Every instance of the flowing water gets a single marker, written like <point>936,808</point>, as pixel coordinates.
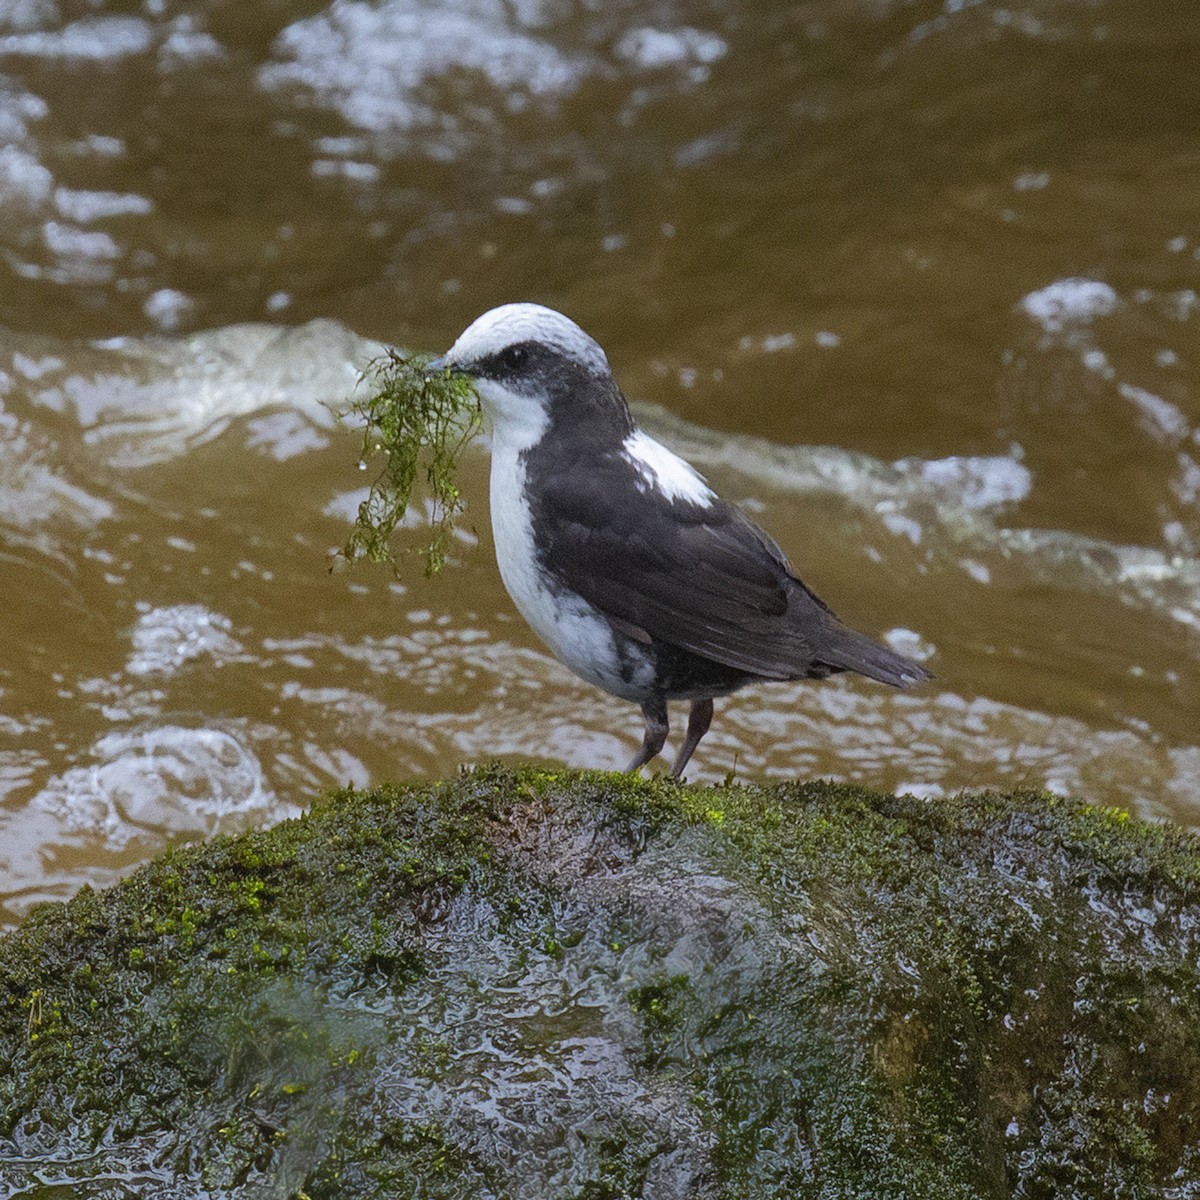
<point>917,281</point>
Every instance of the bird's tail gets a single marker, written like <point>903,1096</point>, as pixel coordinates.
<point>845,649</point>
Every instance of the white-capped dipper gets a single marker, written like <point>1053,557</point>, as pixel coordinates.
<point>618,553</point>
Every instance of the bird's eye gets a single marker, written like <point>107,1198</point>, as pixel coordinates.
<point>514,356</point>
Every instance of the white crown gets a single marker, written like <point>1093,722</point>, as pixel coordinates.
<point>513,323</point>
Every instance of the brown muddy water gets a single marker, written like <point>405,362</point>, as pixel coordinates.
<point>918,282</point>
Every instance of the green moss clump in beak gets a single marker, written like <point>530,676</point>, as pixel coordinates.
<point>420,419</point>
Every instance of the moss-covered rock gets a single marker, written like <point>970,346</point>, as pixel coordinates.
<point>582,985</point>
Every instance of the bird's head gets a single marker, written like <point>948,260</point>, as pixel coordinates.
<point>533,367</point>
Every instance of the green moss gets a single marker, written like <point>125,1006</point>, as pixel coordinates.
<point>806,990</point>
<point>420,421</point>
<point>662,1003</point>
<point>623,1162</point>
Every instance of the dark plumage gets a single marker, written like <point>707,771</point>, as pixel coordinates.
<point>621,557</point>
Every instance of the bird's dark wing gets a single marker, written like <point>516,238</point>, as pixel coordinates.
<point>703,578</point>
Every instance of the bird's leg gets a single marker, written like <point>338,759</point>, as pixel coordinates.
<point>699,719</point>
<point>655,712</point>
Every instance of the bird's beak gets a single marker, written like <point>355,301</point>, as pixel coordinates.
<point>442,363</point>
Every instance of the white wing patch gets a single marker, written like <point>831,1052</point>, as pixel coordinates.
<point>665,471</point>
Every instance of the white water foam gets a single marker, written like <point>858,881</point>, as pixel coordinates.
<point>652,49</point>
<point>34,493</point>
<point>381,65</point>
<point>1068,305</point>
<point>93,39</point>
<point>165,640</point>
<point>369,62</point>
<point>160,782</point>
<point>145,400</point>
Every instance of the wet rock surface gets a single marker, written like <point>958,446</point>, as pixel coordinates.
<point>523,984</point>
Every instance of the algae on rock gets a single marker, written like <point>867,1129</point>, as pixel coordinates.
<point>584,985</point>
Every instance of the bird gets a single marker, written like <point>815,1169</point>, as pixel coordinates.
<point>621,556</point>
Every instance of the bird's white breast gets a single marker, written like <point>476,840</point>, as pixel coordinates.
<point>576,633</point>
